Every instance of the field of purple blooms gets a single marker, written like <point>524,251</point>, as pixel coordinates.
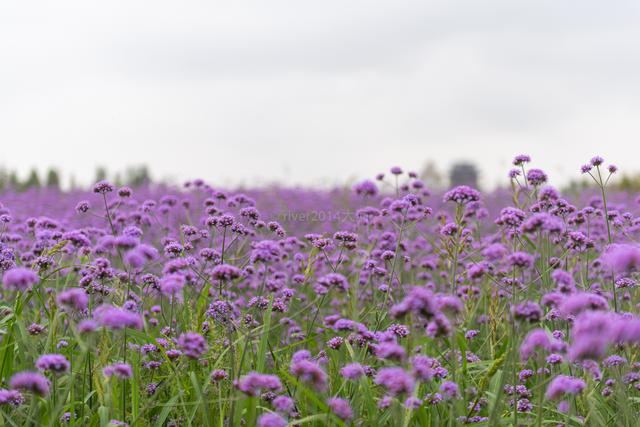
<point>381,306</point>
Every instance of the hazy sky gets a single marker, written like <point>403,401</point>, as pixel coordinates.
<point>317,92</point>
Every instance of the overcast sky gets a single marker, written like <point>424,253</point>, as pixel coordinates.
<point>305,92</point>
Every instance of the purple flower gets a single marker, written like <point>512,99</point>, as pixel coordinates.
<point>395,380</point>
<point>83,207</point>
<point>576,303</point>
<point>73,298</point>
<point>352,371</point>
<point>520,260</point>
<point>564,384</point>
<point>494,252</point>
<point>440,326</point>
<point>521,159</point>
<point>538,339</point>
<point>218,375</point>
<point>140,255</point>
<point>334,280</point>
<point>449,390</point>
<point>527,311</point>
<point>125,192</point>
<point>366,188</point>
<point>19,279</point>
<point>335,343</point>
<point>103,187</point>
<point>592,333</point>
<point>554,359</point>
<point>117,318</point>
<point>536,177</point>
<point>586,168</point>
<point>134,259</point>
<point>283,404</point>
<point>310,372</point>
<point>30,381</point>
<point>225,272</point>
<point>253,383</point>
<point>614,360</point>
<point>341,408</point>
<point>511,217</point>
<point>390,350</point>
<point>462,195</point>
<point>419,300</point>
<point>300,355</point>
<point>172,285</point>
<point>271,419</point>
<point>86,326</point>
<point>423,367</point>
<point>55,363</point>
<point>11,397</point>
<point>627,330</point>
<point>622,257</point>
<point>192,344</point>
<point>120,370</point>
<point>266,251</point>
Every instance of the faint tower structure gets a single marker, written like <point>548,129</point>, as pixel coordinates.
<point>463,173</point>
<point>432,176</point>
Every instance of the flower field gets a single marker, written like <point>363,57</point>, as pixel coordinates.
<point>385,305</point>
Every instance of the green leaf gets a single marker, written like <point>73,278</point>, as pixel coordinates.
<point>165,411</point>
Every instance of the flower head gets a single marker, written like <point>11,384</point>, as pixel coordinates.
<point>395,380</point>
<point>120,370</point>
<point>192,344</point>
<point>117,318</point>
<point>252,383</point>
<point>30,381</point>
<point>19,279</point>
<point>462,194</point>
<point>73,298</point>
<point>55,363</point>
<point>341,408</point>
<point>564,384</point>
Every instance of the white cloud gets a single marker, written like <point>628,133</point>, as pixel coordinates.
<point>303,92</point>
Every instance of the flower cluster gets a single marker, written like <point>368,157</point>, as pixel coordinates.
<point>155,305</point>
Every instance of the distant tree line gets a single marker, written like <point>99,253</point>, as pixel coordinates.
<point>134,176</point>
<point>623,182</point>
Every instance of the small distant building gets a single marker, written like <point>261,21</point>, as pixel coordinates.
<point>432,177</point>
<point>463,173</point>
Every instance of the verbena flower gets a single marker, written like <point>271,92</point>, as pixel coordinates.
<point>11,397</point>
<point>622,257</point>
<point>564,384</point>
<point>341,408</point>
<point>352,371</point>
<point>103,187</point>
<point>120,370</point>
<point>192,344</point>
<point>55,363</point>
<point>117,318</point>
<point>309,372</point>
<point>395,380</point>
<point>73,298</point>
<point>19,279</point>
<point>536,177</point>
<point>462,194</point>
<point>271,419</point>
<point>536,340</point>
<point>449,390</point>
<point>253,383</point>
<point>30,381</point>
